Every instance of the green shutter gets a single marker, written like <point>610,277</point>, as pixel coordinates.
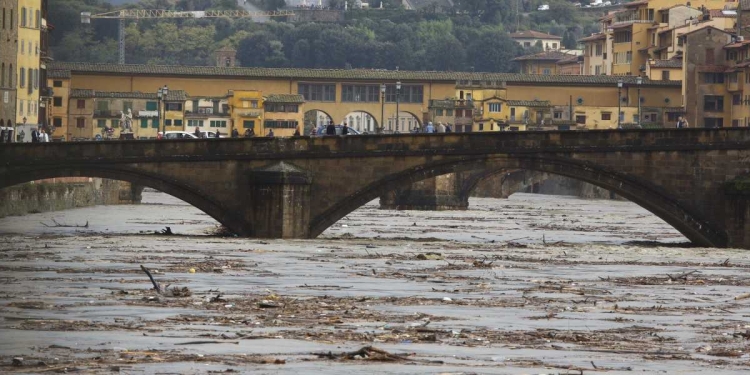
<point>101,123</point>
<point>155,123</point>
<point>144,123</point>
<point>213,124</point>
<point>151,106</point>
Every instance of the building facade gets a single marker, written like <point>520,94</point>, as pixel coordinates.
<point>28,64</point>
<point>8,65</point>
<point>531,38</point>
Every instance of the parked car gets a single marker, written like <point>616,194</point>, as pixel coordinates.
<point>209,134</point>
<point>178,135</point>
<point>339,129</point>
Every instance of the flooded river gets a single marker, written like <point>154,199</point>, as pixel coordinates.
<point>529,285</point>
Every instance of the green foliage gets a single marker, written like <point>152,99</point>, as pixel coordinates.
<point>471,36</point>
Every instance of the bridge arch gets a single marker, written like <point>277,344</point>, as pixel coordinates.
<point>314,117</point>
<point>362,121</point>
<point>641,192</point>
<point>189,194</point>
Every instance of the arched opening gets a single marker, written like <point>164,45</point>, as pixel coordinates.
<point>188,194</point>
<point>362,121</point>
<point>314,119</point>
<point>640,192</point>
<point>405,122</point>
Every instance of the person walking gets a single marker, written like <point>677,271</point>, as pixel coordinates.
<point>249,133</point>
<point>34,136</point>
<point>448,128</point>
<point>440,127</point>
<point>682,123</point>
<point>430,128</point>
<point>345,129</point>
<point>217,135</point>
<point>197,133</point>
<point>235,133</point>
<point>43,137</point>
<point>270,133</point>
<point>331,129</point>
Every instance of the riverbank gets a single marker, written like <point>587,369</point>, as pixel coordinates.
<point>65,193</point>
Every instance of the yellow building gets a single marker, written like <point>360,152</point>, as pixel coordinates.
<point>60,83</point>
<point>246,110</point>
<point>541,63</point>
<point>28,64</point>
<point>208,114</point>
<point>284,113</point>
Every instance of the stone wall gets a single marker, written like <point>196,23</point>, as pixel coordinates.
<point>34,197</point>
<point>540,183</point>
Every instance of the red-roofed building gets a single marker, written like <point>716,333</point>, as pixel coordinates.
<point>530,38</point>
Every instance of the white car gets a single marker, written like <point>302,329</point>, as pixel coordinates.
<point>178,135</point>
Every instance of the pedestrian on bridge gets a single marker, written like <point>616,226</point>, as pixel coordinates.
<point>217,135</point>
<point>345,129</point>
<point>270,133</point>
<point>235,133</point>
<point>331,128</point>
<point>440,127</point>
<point>429,128</point>
<point>249,133</point>
<point>296,132</point>
<point>198,133</point>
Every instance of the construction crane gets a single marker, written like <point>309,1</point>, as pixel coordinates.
<point>139,14</point>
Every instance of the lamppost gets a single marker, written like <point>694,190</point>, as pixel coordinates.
<point>382,108</point>
<point>619,102</point>
<point>162,94</point>
<point>639,81</point>
<point>398,98</point>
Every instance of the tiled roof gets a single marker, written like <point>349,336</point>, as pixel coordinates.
<point>54,73</point>
<point>174,95</point>
<point>546,55</point>
<point>673,63</point>
<point>721,13</point>
<point>599,36</point>
<point>738,44</point>
<point>460,78</point>
<point>528,103</point>
<point>533,35</point>
<point>635,3</point>
<point>573,59</point>
<point>284,98</point>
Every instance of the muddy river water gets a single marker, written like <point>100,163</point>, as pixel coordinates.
<point>529,285</point>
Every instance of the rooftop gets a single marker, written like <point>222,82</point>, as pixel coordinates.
<point>174,95</point>
<point>377,76</point>
<point>284,98</point>
<point>598,36</point>
<point>531,34</point>
<point>550,55</point>
<point>528,103</point>
<point>672,63</point>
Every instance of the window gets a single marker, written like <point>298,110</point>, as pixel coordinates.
<point>22,82</point>
<point>527,44</point>
<point>317,92</point>
<point>80,122</point>
<point>38,23</point>
<point>606,116</point>
<point>494,107</point>
<point>102,105</point>
<point>3,18</point>
<point>623,37</point>
<point>360,93</point>
<point>665,75</point>
<point>57,101</point>
<point>2,75</point>
<point>623,58</point>
<point>144,123</point>
<point>580,119</point>
<point>449,112</point>
<point>557,115</point>
<point>177,122</point>
<point>57,122</point>
<point>126,106</point>
<point>81,104</point>
<point>218,124</point>
<point>713,103</point>
<point>177,107</point>
<point>168,122</point>
<point>151,106</point>
<point>280,124</point>
<point>30,85</point>
<point>713,77</point>
<point>736,99</point>
<point>481,126</point>
<point>598,49</point>
<point>20,107</point>
<point>712,122</point>
<point>57,83</point>
<point>115,123</point>
<point>155,123</point>
<point>439,112</point>
<point>101,123</point>
<point>735,123</point>
<point>195,123</point>
<point>409,94</point>
<point>248,124</point>
<point>23,17</point>
<point>598,70</point>
<point>554,45</point>
<point>546,71</point>
<point>665,17</point>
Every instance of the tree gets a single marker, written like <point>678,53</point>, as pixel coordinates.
<point>261,50</point>
<point>569,41</point>
<point>494,51</point>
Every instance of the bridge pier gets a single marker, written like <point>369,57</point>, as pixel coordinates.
<point>279,202</point>
<point>441,193</point>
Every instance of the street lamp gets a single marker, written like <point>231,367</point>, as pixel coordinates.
<point>639,81</point>
<point>619,102</point>
<point>382,108</point>
<point>162,94</point>
<point>398,98</point>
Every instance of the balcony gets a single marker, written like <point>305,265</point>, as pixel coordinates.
<point>248,113</point>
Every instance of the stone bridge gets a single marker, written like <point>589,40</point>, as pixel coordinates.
<point>298,187</point>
